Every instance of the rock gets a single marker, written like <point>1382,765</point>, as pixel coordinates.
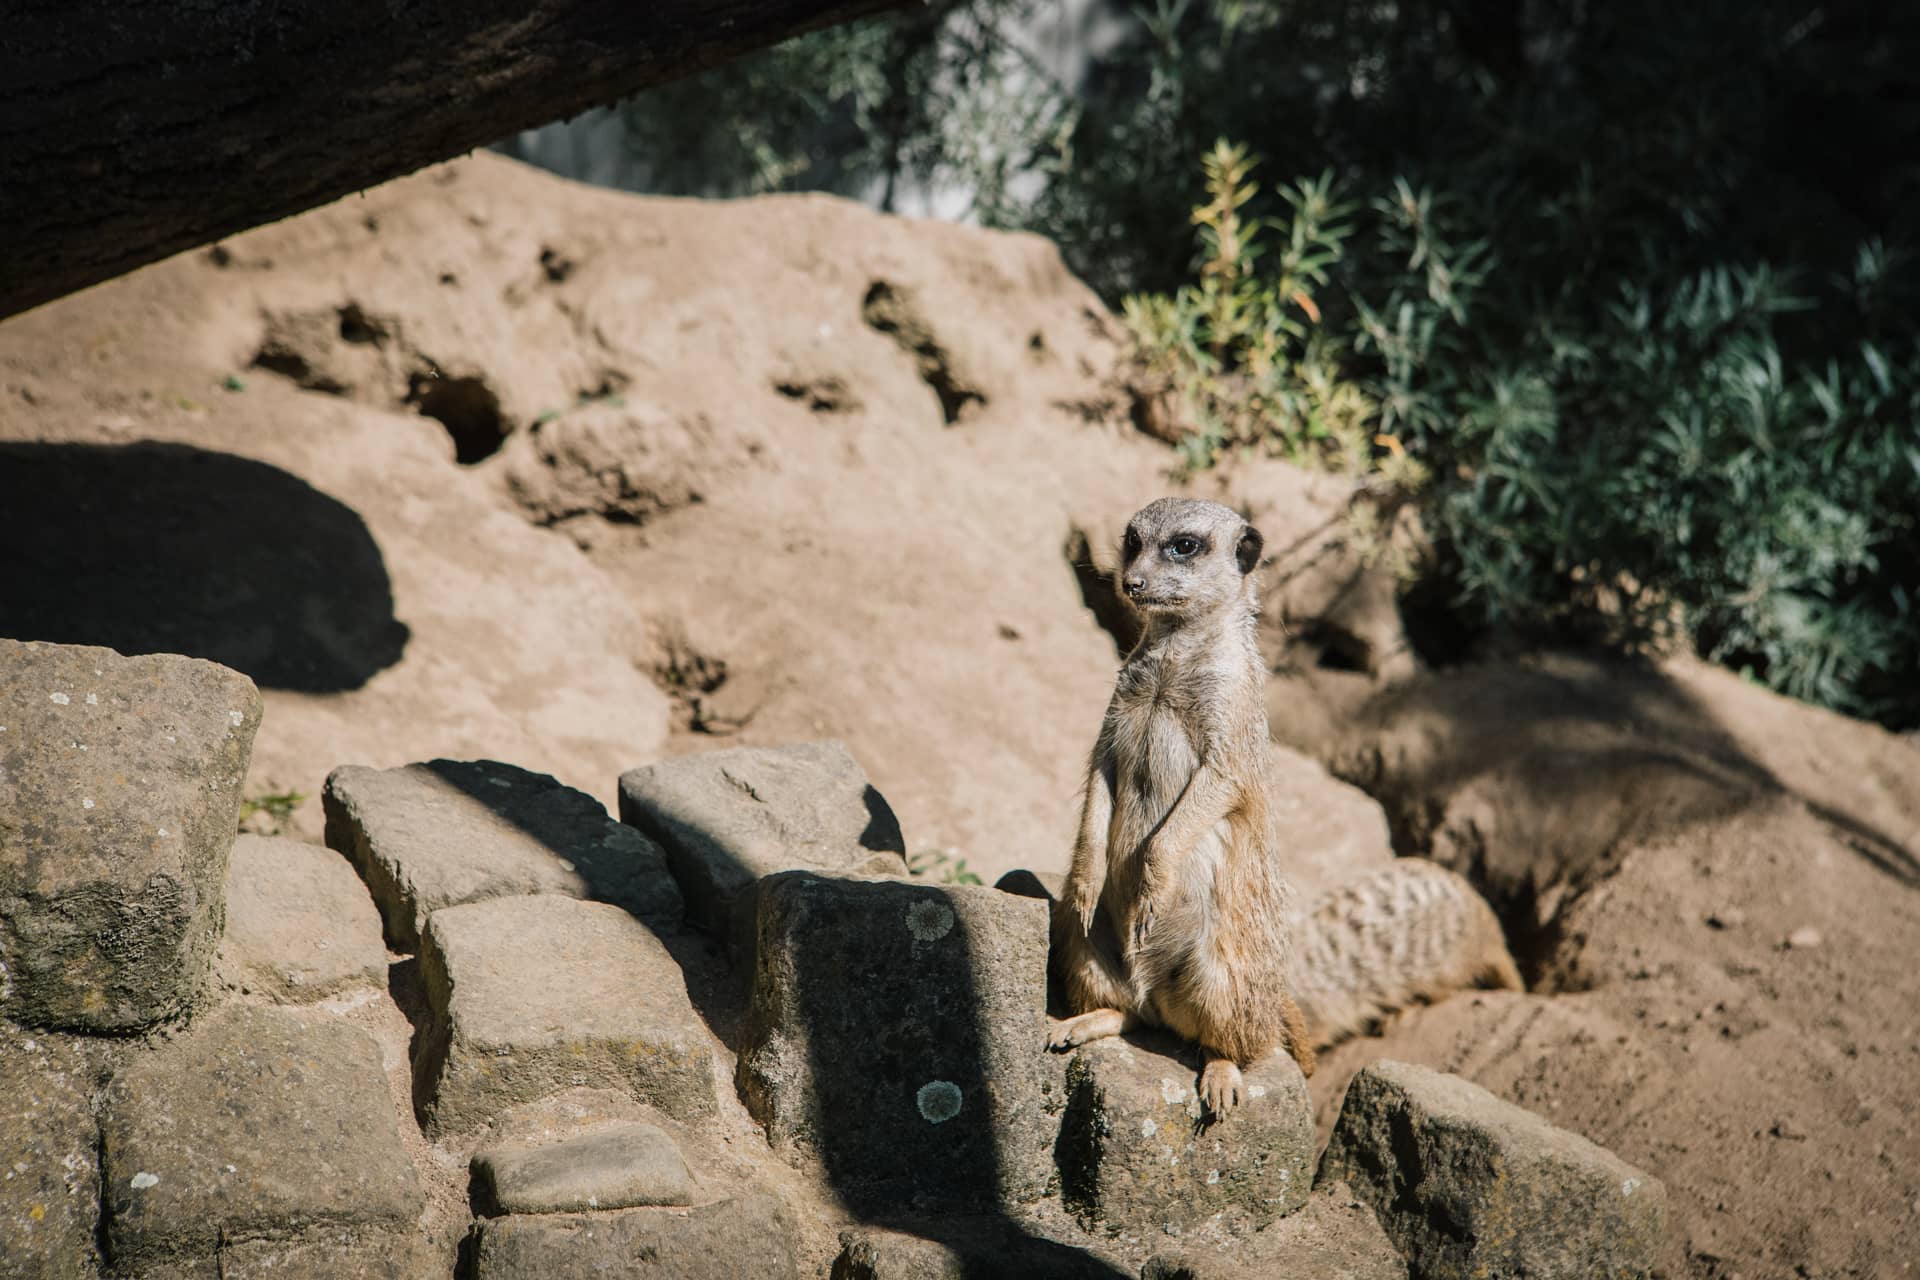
<point>727,818</point>
<point>896,1035</point>
<point>1330,832</point>
<point>749,1235</point>
<point>1468,1185</point>
<point>50,1191</point>
<point>257,1122</point>
<point>450,832</point>
<point>300,925</point>
<point>635,1164</point>
<point>529,996</point>
<point>335,1253</point>
<point>1134,1158</point>
<point>1804,938</point>
<point>960,1248</point>
<point>119,798</point>
<point>1333,1237</point>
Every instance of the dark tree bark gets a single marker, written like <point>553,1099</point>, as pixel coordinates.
<point>133,129</point>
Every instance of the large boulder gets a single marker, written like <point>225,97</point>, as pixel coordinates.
<point>50,1189</point>
<point>449,832</point>
<point>257,1123</point>
<point>300,926</point>
<point>1332,1237</point>
<point>728,818</point>
<point>1137,1155</point>
<point>119,799</point>
<point>530,996</point>
<point>1468,1185</point>
<point>896,1035</point>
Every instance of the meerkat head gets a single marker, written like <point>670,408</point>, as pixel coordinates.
<point>1184,558</point>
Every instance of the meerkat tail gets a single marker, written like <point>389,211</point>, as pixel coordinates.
<point>1412,932</point>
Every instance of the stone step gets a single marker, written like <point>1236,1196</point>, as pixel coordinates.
<point>119,799</point>
<point>749,1235</point>
<point>300,926</point>
<point>625,1167</point>
<point>896,1035</point>
<point>1135,1156</point>
<point>255,1122</point>
<point>529,996</point>
<point>450,832</point>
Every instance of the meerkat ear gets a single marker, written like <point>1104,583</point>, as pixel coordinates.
<point>1247,552</point>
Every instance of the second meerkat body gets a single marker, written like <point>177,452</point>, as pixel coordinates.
<point>1175,911</point>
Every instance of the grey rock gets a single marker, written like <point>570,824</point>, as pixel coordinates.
<point>339,1253</point>
<point>119,799</point>
<point>1333,1237</point>
<point>749,1235</point>
<point>1468,1185</point>
<point>1134,1156</point>
<point>966,1248</point>
<point>299,922</point>
<point>256,1122</point>
<point>621,1168</point>
<point>450,832</point>
<point>50,1188</point>
<point>529,996</point>
<point>728,818</point>
<point>896,1034</point>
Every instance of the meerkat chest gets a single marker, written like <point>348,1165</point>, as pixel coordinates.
<point>1156,743</point>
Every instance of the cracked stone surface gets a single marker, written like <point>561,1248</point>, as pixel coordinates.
<point>449,832</point>
<point>119,799</point>
<point>256,1122</point>
<point>1136,1158</point>
<point>300,925</point>
<point>896,1034</point>
<point>748,1235</point>
<point>530,996</point>
<point>1467,1184</point>
<point>728,818</point>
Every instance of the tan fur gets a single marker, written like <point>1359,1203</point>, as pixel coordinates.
<point>1411,932</point>
<point>1175,911</point>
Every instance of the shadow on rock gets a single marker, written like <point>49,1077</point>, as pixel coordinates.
<point>162,548</point>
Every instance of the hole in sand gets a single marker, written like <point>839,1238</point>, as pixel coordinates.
<point>467,408</point>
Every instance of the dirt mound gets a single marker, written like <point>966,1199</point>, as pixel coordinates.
<point>486,464</point>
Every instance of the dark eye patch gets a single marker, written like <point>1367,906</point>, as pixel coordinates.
<point>1132,544</point>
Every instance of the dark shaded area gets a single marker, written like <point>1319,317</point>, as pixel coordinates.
<point>1098,594</point>
<point>163,548</point>
<point>896,313</point>
<point>992,1243</point>
<point>90,188</point>
<point>468,408</point>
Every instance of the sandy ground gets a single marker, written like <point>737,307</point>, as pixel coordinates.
<point>483,463</point>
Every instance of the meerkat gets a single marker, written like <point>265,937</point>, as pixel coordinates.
<point>1175,911</point>
<point>1408,933</point>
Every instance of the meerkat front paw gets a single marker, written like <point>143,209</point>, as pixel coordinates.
<point>1221,1087</point>
<point>1076,1031</point>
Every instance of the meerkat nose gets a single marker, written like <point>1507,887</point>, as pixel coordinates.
<point>1134,586</point>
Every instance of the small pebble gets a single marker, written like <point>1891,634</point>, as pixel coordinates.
<point>1804,938</point>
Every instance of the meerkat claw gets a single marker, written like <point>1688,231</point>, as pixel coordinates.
<point>1221,1088</point>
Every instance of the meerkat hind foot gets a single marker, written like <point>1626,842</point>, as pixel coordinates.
<point>1096,1025</point>
<point>1221,1087</point>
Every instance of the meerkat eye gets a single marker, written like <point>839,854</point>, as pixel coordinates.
<point>1184,547</point>
<point>1132,544</point>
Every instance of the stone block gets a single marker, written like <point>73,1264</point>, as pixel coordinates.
<point>50,1184</point>
<point>530,996</point>
<point>728,818</point>
<point>1466,1184</point>
<point>119,799</point>
<point>1135,1157</point>
<point>748,1235</point>
<point>620,1168</point>
<point>450,832</point>
<point>1333,1237</point>
<point>338,1253</point>
<point>300,925</point>
<point>257,1122</point>
<point>896,1035</point>
<point>964,1248</point>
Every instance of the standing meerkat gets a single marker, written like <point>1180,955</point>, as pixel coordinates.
<point>1175,911</point>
